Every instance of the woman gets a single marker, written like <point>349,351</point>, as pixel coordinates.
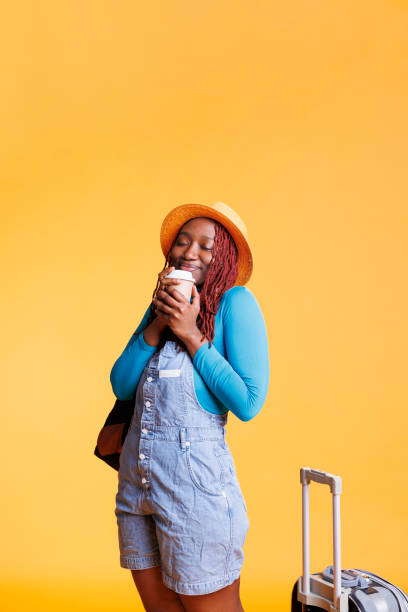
<point>181,515</point>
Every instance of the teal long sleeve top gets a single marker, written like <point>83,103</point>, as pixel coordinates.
<point>232,374</point>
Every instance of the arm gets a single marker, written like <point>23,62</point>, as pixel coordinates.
<point>126,372</point>
<point>241,381</point>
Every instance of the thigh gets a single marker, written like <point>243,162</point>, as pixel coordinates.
<point>223,600</point>
<point>138,544</point>
<point>202,532</point>
<point>155,596</point>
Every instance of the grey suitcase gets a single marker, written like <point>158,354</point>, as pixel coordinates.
<point>334,589</point>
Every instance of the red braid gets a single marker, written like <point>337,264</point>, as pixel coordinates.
<point>221,276</point>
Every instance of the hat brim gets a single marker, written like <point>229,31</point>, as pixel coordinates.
<point>177,217</point>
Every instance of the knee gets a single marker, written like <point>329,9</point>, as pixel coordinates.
<point>170,606</point>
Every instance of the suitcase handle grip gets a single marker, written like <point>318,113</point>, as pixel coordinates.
<point>307,474</point>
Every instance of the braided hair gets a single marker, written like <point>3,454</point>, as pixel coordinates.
<point>221,276</point>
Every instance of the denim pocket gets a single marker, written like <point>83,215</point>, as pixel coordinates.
<point>225,459</point>
<point>227,467</point>
<point>203,467</point>
<point>221,447</point>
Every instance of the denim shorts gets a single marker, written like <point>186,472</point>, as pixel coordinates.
<point>179,504</point>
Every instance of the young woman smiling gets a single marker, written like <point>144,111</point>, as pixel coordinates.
<point>182,519</point>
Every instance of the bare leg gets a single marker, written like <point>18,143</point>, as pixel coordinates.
<point>223,600</point>
<point>156,597</point>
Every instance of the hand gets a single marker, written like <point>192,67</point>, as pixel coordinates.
<point>176,310</point>
<point>164,283</point>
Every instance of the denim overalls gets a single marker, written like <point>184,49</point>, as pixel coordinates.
<point>179,504</point>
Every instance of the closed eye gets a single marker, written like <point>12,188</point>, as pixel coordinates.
<point>185,244</point>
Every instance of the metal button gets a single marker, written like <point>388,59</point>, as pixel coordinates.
<point>144,480</point>
<point>147,403</point>
<point>142,456</point>
<point>144,430</point>
<point>149,379</point>
<point>187,443</point>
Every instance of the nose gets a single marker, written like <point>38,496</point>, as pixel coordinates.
<point>191,252</point>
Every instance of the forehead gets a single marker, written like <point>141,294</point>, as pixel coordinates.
<point>199,226</point>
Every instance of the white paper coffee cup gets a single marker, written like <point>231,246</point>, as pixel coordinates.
<point>187,281</point>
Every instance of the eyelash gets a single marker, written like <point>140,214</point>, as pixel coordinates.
<point>205,248</point>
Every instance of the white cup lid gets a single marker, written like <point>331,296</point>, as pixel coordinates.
<point>182,274</point>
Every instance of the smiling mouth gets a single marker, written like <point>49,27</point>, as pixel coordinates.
<point>187,267</point>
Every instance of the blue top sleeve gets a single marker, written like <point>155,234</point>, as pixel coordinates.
<point>128,368</point>
<point>240,381</point>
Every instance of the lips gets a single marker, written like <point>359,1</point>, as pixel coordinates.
<point>187,267</point>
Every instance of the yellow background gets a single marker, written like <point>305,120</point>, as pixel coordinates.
<point>294,114</point>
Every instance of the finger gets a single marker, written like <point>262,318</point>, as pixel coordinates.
<point>167,298</point>
<point>166,279</point>
<point>165,272</point>
<point>163,316</point>
<point>175,295</point>
<point>196,295</point>
<point>163,294</point>
<point>174,299</point>
<point>165,282</point>
<point>170,281</point>
<point>167,289</point>
<point>162,307</point>
<point>164,297</point>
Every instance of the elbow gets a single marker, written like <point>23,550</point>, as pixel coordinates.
<point>256,399</point>
<point>118,390</point>
<point>120,395</point>
<point>114,385</point>
<point>248,415</point>
<point>252,407</point>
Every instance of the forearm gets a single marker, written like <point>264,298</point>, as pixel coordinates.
<point>242,397</point>
<point>153,332</point>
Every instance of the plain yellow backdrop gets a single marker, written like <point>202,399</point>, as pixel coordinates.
<point>294,114</point>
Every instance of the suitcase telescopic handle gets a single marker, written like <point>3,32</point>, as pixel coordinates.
<point>306,476</point>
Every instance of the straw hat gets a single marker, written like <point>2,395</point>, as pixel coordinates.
<point>218,211</point>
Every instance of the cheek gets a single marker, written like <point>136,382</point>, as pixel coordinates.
<point>204,273</point>
<point>173,254</point>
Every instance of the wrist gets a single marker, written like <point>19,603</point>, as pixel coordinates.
<point>194,341</point>
<point>159,324</point>
<point>153,332</point>
<point>192,335</point>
